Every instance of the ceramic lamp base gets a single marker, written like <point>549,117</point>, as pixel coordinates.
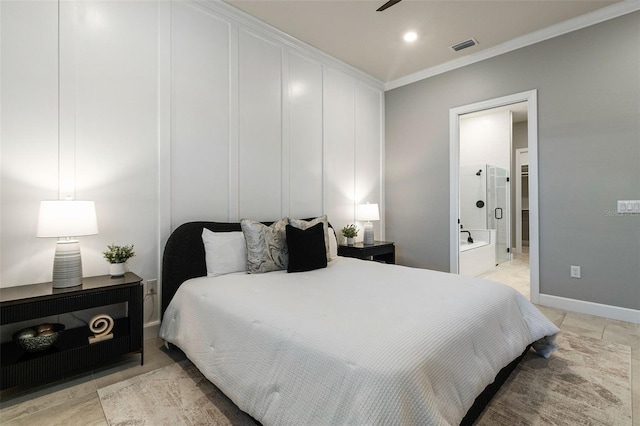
<point>67,264</point>
<point>368,233</point>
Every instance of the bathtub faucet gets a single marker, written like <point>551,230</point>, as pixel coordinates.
<point>469,240</point>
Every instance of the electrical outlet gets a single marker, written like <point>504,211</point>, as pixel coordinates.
<point>575,271</point>
<point>152,286</point>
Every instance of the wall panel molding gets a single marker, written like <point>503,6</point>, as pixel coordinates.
<point>291,43</point>
<point>170,112</point>
<point>278,161</point>
<point>305,169</point>
<point>200,76</point>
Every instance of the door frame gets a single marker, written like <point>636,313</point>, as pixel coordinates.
<point>531,97</point>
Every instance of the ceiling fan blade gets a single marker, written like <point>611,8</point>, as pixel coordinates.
<point>387,5</point>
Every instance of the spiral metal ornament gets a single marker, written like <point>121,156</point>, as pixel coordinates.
<point>101,325</point>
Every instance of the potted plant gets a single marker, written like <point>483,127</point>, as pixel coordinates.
<point>350,232</point>
<point>117,257</point>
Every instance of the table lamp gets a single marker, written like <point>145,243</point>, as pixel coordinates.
<point>368,212</point>
<point>67,219</point>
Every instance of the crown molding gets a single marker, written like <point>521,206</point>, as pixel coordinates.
<point>592,18</point>
<point>247,21</point>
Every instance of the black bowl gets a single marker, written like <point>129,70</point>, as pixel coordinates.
<point>31,340</point>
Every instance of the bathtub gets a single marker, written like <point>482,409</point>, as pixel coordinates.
<point>464,245</point>
<point>479,256</point>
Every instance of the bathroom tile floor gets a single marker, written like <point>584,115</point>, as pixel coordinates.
<point>514,273</point>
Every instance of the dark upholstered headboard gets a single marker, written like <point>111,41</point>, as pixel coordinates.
<point>184,256</point>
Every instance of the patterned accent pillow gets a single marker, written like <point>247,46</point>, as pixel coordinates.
<point>303,224</point>
<point>266,245</point>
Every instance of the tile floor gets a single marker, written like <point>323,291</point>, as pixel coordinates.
<point>75,401</point>
<point>515,273</point>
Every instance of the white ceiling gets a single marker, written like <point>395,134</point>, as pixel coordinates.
<point>352,30</point>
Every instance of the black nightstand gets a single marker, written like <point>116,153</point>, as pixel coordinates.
<point>72,352</point>
<point>380,251</point>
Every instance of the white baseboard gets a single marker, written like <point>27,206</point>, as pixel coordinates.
<point>590,308</point>
<point>151,330</point>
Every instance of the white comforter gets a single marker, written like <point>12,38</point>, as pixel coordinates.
<point>356,343</point>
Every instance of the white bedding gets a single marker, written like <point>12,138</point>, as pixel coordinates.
<point>355,343</point>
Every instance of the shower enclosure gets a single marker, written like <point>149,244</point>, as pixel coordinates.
<point>485,204</point>
<point>498,210</point>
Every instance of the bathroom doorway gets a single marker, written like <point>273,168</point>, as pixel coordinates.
<point>498,210</point>
<point>484,214</point>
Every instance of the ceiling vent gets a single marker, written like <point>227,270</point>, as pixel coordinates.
<point>464,44</point>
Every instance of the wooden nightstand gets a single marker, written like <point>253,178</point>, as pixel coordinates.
<point>73,351</point>
<point>380,251</point>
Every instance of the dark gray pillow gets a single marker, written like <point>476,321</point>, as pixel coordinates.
<point>266,245</point>
<point>306,248</point>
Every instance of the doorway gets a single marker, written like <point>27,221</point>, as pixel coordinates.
<point>455,115</point>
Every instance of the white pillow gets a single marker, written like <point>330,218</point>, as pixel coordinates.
<point>333,244</point>
<point>225,252</point>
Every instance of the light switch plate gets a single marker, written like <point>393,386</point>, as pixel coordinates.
<point>628,206</point>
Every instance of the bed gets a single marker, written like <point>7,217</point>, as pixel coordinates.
<point>357,342</point>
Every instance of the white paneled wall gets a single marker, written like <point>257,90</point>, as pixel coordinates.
<point>260,127</point>
<point>368,151</point>
<point>109,123</point>
<point>29,125</point>
<point>170,112</point>
<point>339,146</point>
<point>301,137</point>
<point>199,115</point>
<point>305,136</point>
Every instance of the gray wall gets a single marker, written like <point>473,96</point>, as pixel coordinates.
<point>589,156</point>
<point>519,140</point>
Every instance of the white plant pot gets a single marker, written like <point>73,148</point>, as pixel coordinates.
<point>350,241</point>
<point>117,269</point>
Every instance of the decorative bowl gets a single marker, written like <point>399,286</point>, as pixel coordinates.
<point>38,338</point>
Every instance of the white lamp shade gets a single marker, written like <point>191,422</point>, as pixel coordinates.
<point>67,218</point>
<point>367,212</point>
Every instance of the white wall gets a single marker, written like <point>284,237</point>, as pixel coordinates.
<point>170,112</point>
<point>292,135</point>
<point>485,138</point>
<point>100,146</point>
<point>473,188</point>
<point>29,136</point>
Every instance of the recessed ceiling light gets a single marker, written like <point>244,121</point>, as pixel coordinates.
<point>410,36</point>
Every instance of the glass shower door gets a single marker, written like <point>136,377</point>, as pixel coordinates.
<point>498,211</point>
